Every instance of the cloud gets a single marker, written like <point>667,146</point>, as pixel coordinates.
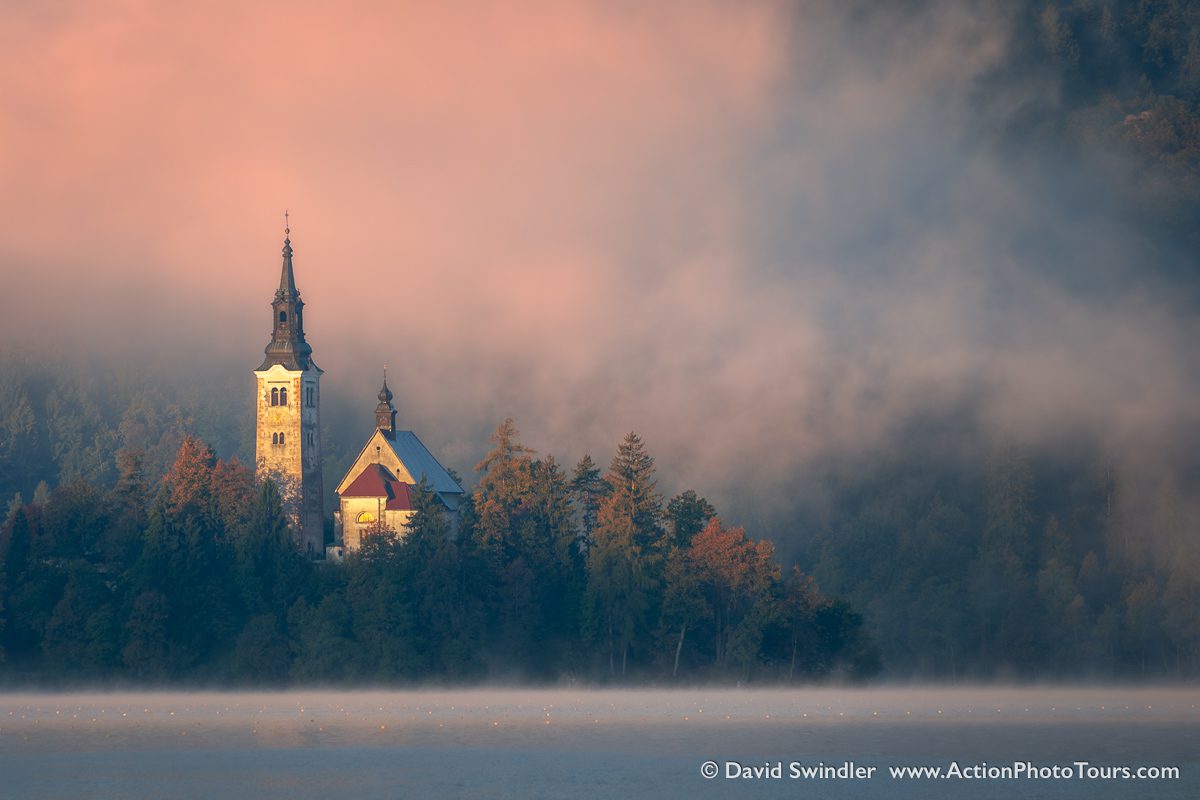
<point>756,235</point>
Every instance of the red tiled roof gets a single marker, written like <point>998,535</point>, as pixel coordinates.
<point>400,498</point>
<point>376,481</point>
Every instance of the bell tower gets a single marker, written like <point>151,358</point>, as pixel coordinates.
<point>288,440</point>
<point>385,412</point>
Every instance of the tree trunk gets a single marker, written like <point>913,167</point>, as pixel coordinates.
<point>624,659</point>
<point>678,648</point>
<point>792,668</point>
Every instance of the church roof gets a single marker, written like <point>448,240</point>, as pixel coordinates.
<point>417,459</point>
<point>376,481</point>
<point>413,458</point>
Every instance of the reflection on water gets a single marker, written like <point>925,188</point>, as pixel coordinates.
<point>501,742</point>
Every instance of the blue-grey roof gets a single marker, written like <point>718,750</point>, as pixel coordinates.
<point>419,461</point>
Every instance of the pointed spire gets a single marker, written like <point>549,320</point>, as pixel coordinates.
<point>287,279</point>
<point>287,346</point>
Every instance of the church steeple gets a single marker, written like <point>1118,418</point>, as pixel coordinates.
<point>288,416</point>
<point>385,412</point>
<point>287,346</point>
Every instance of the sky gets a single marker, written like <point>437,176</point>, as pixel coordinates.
<point>755,233</point>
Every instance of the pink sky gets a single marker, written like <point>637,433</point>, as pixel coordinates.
<point>745,230</point>
<point>470,184</point>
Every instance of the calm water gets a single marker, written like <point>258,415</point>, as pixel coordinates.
<point>592,743</point>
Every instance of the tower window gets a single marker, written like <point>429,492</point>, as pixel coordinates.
<point>312,440</point>
<point>281,439</point>
<point>283,397</point>
<point>275,397</point>
<point>274,438</point>
<point>310,397</point>
<point>283,316</point>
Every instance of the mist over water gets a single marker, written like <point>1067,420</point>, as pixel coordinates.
<point>585,742</point>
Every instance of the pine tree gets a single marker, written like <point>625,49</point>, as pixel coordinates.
<point>590,489</point>
<point>443,611</point>
<point>625,559</point>
<point>502,493</point>
<point>504,585</point>
<point>634,493</point>
<point>270,572</point>
<point>687,514</point>
<point>552,552</point>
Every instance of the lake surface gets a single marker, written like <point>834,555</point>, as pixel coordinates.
<point>528,743</point>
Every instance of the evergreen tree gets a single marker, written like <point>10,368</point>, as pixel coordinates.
<point>321,638</point>
<point>634,493</point>
<point>619,590</point>
<point>552,545</point>
<point>687,514</point>
<point>590,489</point>
<point>382,609</point>
<point>505,541</point>
<point>34,581</point>
<point>503,493</point>
<point>146,651</point>
<point>20,461</point>
<point>799,604</point>
<point>270,572</point>
<point>443,608</point>
<point>80,634</point>
<point>684,602</point>
<point>625,559</point>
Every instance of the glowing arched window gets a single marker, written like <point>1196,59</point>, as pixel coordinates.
<point>283,397</point>
<point>275,397</point>
<point>365,518</point>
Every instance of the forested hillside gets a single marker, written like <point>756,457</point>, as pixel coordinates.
<point>981,554</point>
<point>195,578</point>
<point>1121,76</point>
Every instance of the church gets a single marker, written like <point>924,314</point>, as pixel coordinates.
<point>377,489</point>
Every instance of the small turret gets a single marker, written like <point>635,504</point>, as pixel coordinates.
<point>385,412</point>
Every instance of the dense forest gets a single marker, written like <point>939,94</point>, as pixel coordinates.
<point>130,552</point>
<point>966,559</point>
<point>196,578</point>
<point>1119,79</point>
